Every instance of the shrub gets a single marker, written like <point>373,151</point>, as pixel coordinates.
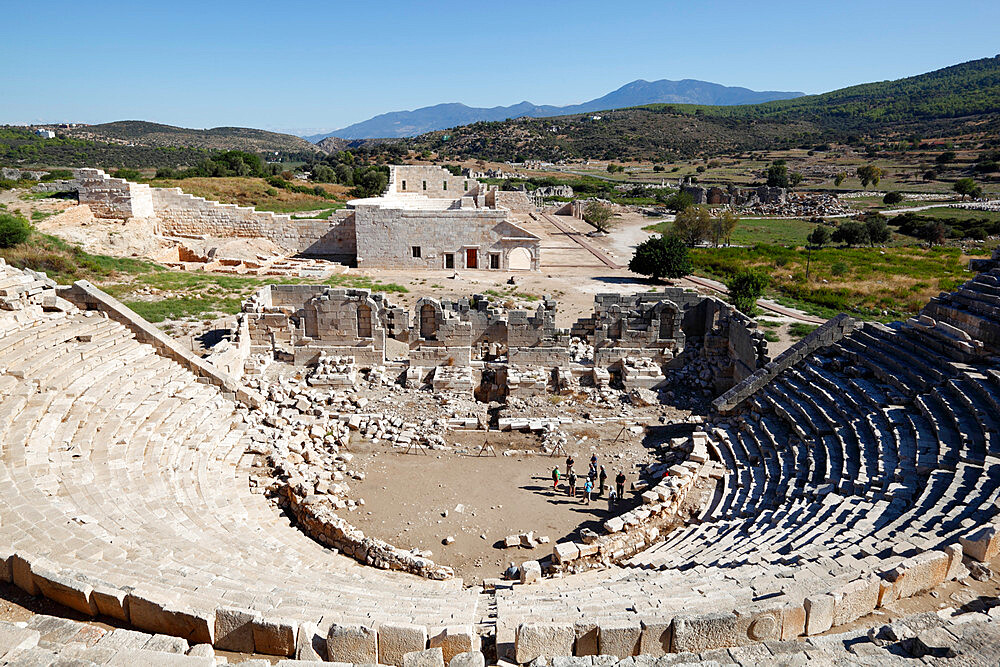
<point>661,257</point>
<point>838,268</point>
<point>745,287</point>
<point>891,198</point>
<point>14,230</point>
<point>127,174</point>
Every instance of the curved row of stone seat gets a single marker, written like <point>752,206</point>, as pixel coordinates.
<point>864,454</point>
<point>127,484</point>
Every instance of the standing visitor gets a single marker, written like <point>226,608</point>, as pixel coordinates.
<point>603,478</point>
<point>620,484</point>
<point>555,477</point>
<point>571,480</point>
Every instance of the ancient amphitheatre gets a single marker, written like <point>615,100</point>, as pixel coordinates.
<point>778,506</point>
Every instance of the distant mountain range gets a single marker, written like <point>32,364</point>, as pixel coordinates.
<point>443,116</point>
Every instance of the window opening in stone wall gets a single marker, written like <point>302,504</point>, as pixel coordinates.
<point>416,251</point>
<point>404,185</point>
<point>425,185</point>
<point>444,185</point>
<point>494,261</point>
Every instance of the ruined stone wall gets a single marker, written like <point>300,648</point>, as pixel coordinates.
<point>433,182</point>
<point>516,201</point>
<point>181,214</point>
<point>113,197</point>
<point>386,237</point>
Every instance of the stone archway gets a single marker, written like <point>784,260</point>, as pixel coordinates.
<point>428,322</point>
<point>519,259</point>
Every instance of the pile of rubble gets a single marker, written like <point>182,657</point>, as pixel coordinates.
<point>333,371</point>
<point>799,205</point>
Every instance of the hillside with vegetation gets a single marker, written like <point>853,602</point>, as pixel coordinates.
<point>962,100</point>
<point>142,133</point>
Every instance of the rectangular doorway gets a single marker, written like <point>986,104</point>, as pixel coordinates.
<point>471,258</point>
<point>494,261</point>
<point>449,260</point>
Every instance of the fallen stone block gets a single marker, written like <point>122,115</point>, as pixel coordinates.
<point>396,640</point>
<point>919,573</point>
<point>531,571</point>
<point>656,637</point>
<point>534,640</point>
<point>456,639</point>
<point>468,659</point>
<point>619,638</point>
<point>352,643</point>
<point>586,642</point>
<point>855,599</point>
<point>819,613</point>
<point>309,644</point>
<point>234,629</point>
<point>66,591</point>
<point>793,621</point>
<point>431,657</point>
<point>145,613</point>
<point>275,636</point>
<point>565,552</point>
<point>982,544</point>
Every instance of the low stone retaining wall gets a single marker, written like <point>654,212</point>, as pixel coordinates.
<point>320,522</point>
<point>87,297</point>
<point>637,529</point>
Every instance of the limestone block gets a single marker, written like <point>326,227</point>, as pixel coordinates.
<point>534,640</point>
<point>565,552</point>
<point>66,591</point>
<point>793,621</point>
<point>696,633</point>
<point>531,571</point>
<point>234,629</point>
<point>145,613</point>
<point>956,569</point>
<point>761,623</point>
<point>5,565</point>
<point>586,638</point>
<point>275,636</point>
<point>351,643</point>
<point>20,570</point>
<point>819,613</point>
<point>431,657</point>
<point>309,645</point>
<point>455,639</point>
<point>111,602</point>
<point>855,599</point>
<point>396,640</point>
<point>656,637</point>
<point>983,544</point>
<point>919,573</point>
<point>469,659</point>
<point>620,638</point>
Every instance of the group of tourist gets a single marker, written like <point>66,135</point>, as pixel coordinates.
<point>596,481</point>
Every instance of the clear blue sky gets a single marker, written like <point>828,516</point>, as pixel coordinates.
<point>305,67</point>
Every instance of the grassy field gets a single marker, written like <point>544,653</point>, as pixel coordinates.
<point>751,231</point>
<point>878,283</point>
<point>256,192</point>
